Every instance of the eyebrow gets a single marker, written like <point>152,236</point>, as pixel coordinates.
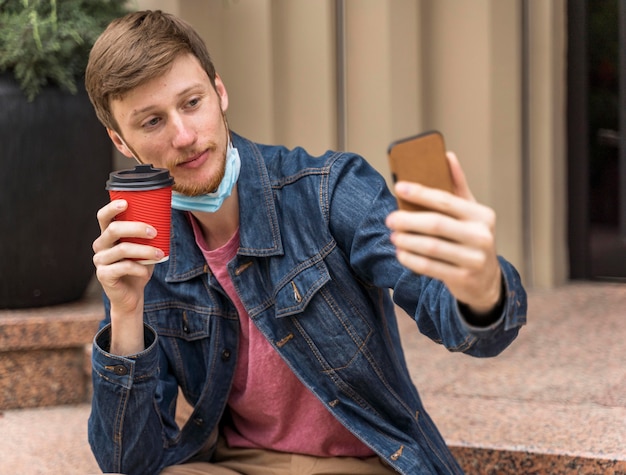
<point>137,112</point>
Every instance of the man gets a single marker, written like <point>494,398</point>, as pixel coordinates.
<point>273,313</point>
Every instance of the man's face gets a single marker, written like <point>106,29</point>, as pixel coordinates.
<point>176,121</point>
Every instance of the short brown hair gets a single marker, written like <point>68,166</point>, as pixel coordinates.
<point>134,49</point>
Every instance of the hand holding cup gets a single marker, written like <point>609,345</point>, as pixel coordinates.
<point>148,192</point>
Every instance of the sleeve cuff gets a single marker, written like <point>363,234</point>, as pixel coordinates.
<point>123,370</point>
<point>510,311</point>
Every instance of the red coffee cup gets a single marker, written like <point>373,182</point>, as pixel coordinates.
<point>148,192</point>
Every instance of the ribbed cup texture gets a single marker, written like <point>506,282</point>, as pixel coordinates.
<point>152,207</point>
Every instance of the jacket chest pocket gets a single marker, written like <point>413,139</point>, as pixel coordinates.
<point>322,317</point>
<point>184,323</point>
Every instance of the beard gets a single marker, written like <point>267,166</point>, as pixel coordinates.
<point>214,182</point>
<point>210,186</point>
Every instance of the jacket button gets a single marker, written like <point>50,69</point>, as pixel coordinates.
<point>198,421</point>
<point>118,369</point>
<point>225,355</point>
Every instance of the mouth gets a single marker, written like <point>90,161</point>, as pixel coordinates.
<point>193,161</point>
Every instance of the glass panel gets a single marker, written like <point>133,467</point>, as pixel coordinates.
<point>608,250</point>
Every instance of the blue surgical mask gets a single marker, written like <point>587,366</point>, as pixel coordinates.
<point>211,202</point>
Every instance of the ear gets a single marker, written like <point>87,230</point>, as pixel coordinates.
<point>119,143</point>
<point>221,92</point>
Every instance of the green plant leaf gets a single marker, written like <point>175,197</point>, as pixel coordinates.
<point>48,41</point>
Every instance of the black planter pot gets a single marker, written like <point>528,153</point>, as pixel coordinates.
<point>55,158</point>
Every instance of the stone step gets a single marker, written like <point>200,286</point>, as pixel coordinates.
<point>43,353</point>
<point>483,461</point>
<point>553,403</point>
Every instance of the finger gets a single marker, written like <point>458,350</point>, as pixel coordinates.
<point>440,249</point>
<point>434,268</point>
<point>461,187</point>
<point>441,201</point>
<point>472,233</point>
<point>117,230</point>
<point>111,274</point>
<point>126,251</point>
<point>107,213</point>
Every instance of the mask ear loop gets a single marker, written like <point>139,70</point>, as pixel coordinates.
<point>129,149</point>
<point>225,120</point>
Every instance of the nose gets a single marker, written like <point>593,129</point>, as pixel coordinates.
<point>183,134</point>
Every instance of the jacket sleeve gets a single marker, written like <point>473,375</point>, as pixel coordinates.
<point>358,206</point>
<point>127,429</point>
<point>439,317</point>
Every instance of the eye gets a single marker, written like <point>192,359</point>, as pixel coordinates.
<point>193,102</point>
<point>153,122</point>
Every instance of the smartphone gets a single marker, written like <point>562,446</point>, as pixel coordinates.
<point>420,159</point>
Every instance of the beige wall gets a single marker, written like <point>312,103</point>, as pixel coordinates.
<point>277,59</point>
<point>548,215</point>
<point>472,85</point>
<point>410,65</point>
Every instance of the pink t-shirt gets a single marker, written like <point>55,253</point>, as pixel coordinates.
<point>270,407</point>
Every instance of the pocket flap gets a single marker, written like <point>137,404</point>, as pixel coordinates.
<point>294,296</point>
<point>184,323</point>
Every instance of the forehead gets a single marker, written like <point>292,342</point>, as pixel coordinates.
<point>184,76</point>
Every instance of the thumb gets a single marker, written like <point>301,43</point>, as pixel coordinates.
<point>461,188</point>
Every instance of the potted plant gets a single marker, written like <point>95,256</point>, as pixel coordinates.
<point>54,154</point>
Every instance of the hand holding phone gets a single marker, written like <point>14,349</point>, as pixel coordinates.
<point>442,245</point>
<point>420,159</point>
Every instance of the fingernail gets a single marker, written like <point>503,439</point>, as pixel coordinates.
<point>159,253</point>
<point>402,188</point>
<point>151,232</point>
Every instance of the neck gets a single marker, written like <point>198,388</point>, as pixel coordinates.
<point>219,227</point>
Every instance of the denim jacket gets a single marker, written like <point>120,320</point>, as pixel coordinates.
<point>314,271</point>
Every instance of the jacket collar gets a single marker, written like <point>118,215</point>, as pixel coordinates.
<point>258,222</point>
